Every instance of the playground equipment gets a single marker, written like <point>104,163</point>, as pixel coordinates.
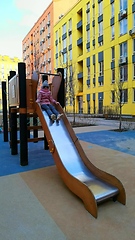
<point>22,96</point>
<point>91,184</point>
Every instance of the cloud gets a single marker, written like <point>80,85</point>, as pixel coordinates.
<point>36,7</point>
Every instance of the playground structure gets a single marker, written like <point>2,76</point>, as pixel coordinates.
<point>91,184</point>
<point>22,94</point>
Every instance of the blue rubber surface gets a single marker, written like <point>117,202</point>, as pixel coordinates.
<point>37,158</point>
<point>120,141</point>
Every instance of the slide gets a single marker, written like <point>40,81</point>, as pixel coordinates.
<point>89,183</point>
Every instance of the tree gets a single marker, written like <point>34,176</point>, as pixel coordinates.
<point>120,91</point>
<point>70,87</point>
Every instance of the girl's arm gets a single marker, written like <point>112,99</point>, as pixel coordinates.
<point>52,100</point>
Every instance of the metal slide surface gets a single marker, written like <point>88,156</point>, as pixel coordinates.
<point>73,163</point>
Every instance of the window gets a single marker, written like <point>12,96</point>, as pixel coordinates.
<point>134,45</point>
<point>112,32</point>
<point>123,49</point>
<point>112,10</point>
<point>56,48</point>
<point>133,19</point>
<point>57,35</point>
<point>94,70</point>
<point>133,94</point>
<point>124,95</point>
<point>65,73</point>
<point>123,26</point>
<point>88,72</point>
<point>100,26</point>
<point>64,28</point>
<point>64,42</point>
<point>101,68</point>
<point>113,96</point>
<point>70,24</point>
<point>88,12</point>
<point>123,4</point>
<point>88,36</point>
<point>134,71</point>
<point>113,53</point>
<point>93,12</point>
<point>70,55</point>
<point>100,8</point>
<point>56,62</point>
<point>64,58</point>
<point>113,75</point>
<point>124,73</point>
<point>94,32</point>
<point>70,39</point>
<point>48,17</point>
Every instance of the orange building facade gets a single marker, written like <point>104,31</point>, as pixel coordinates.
<point>38,44</point>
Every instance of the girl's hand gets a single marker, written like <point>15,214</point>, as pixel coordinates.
<point>57,103</point>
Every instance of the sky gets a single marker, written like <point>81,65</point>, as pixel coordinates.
<point>17,17</point>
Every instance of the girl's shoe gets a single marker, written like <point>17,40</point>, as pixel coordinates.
<point>59,116</point>
<point>53,117</point>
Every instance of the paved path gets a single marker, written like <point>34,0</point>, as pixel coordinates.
<point>36,204</point>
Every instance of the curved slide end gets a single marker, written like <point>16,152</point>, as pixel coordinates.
<point>90,184</point>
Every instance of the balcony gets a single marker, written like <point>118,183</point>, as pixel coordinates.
<point>80,89</point>
<point>79,25</point>
<point>80,75</point>
<point>79,41</point>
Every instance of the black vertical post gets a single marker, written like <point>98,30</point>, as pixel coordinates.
<point>61,93</point>
<point>12,74</point>
<point>46,147</point>
<point>4,103</point>
<point>35,131</point>
<point>28,124</point>
<point>13,132</point>
<point>45,77</point>
<point>23,115</point>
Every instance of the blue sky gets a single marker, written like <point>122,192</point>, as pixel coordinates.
<point>17,17</point>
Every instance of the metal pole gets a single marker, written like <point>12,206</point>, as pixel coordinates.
<point>23,115</point>
<point>53,74</point>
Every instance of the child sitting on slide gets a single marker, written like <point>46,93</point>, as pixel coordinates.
<point>46,101</point>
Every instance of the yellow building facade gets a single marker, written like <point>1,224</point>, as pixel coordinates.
<point>7,64</point>
<point>95,44</point>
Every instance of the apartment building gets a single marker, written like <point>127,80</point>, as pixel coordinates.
<point>95,44</point>
<point>7,64</point>
<point>38,44</point>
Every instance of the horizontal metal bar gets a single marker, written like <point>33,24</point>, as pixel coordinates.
<point>54,74</point>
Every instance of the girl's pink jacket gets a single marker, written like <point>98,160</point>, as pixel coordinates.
<point>45,97</point>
